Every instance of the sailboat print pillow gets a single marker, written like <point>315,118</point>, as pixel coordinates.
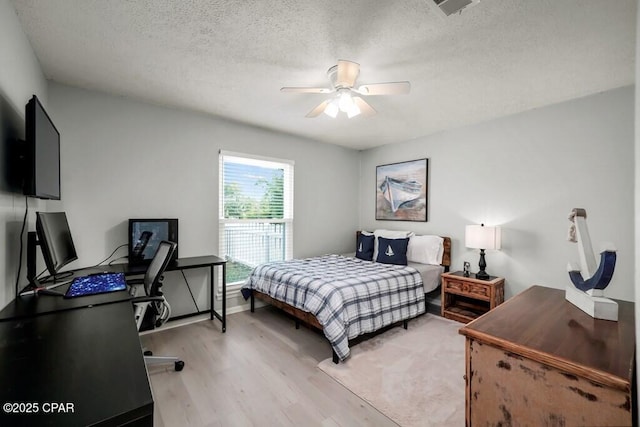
<point>364,250</point>
<point>392,251</point>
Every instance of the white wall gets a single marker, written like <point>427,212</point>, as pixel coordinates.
<point>526,172</point>
<point>123,159</point>
<point>20,77</point>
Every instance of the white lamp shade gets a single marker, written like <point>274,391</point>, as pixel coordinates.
<point>482,237</point>
<point>332,109</point>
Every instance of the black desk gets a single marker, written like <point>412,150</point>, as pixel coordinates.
<point>88,359</point>
<point>30,305</point>
<point>210,261</point>
<point>80,355</point>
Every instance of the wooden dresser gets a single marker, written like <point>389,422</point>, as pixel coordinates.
<point>537,360</point>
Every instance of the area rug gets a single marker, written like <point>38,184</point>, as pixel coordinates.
<point>414,376</point>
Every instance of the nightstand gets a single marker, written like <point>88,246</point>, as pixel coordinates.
<point>466,298</point>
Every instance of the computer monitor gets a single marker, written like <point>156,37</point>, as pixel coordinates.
<point>54,237</point>
<point>145,236</point>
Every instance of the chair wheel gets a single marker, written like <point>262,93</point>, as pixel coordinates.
<point>148,353</point>
<point>179,365</point>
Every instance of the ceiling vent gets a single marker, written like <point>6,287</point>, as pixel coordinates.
<point>449,7</point>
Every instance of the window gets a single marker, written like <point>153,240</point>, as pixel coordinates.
<point>256,213</point>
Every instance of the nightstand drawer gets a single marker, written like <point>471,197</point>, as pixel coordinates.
<point>468,288</point>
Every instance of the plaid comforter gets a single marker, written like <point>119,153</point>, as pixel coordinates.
<point>348,296</point>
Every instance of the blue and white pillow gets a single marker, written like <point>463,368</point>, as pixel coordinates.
<point>364,250</point>
<point>388,234</point>
<point>392,251</point>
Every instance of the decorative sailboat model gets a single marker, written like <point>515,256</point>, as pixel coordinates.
<point>590,279</point>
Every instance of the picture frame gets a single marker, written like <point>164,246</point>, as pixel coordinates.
<point>402,191</point>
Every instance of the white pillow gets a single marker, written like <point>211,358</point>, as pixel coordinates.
<point>388,234</point>
<point>426,249</point>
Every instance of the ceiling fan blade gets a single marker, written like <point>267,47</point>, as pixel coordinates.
<point>391,88</point>
<point>365,108</point>
<point>306,89</point>
<point>318,110</point>
<point>347,73</point>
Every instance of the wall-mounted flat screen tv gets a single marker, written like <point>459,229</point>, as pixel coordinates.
<point>145,236</point>
<point>41,153</point>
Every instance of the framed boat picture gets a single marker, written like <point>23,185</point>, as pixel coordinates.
<point>402,190</point>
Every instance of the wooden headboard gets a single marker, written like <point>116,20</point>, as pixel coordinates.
<point>446,257</point>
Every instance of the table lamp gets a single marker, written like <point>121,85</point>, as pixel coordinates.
<point>481,237</point>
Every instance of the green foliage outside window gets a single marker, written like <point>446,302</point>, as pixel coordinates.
<point>239,205</point>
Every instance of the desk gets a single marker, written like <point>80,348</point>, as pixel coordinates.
<point>87,357</point>
<point>31,305</point>
<point>26,306</point>
<point>81,352</point>
<point>210,261</point>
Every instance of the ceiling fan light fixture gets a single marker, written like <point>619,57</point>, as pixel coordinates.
<point>332,109</point>
<point>343,79</point>
<point>353,110</point>
<point>345,101</point>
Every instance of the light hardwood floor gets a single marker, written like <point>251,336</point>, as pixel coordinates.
<point>261,372</point>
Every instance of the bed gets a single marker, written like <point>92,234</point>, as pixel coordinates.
<point>346,297</point>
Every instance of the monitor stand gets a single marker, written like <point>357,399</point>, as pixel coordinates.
<point>35,288</point>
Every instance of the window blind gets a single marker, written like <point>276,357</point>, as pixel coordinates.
<point>255,212</point>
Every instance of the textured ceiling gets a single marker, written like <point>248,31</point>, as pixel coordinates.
<point>230,58</point>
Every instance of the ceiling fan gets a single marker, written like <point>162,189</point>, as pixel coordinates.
<point>343,78</point>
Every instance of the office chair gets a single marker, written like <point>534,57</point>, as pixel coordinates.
<point>154,299</point>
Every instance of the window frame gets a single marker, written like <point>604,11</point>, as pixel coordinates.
<point>288,216</point>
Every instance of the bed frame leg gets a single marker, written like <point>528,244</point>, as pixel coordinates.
<point>253,302</point>
<point>297,324</point>
<point>336,360</point>
<point>405,324</point>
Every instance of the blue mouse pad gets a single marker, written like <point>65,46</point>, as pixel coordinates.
<point>96,284</point>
